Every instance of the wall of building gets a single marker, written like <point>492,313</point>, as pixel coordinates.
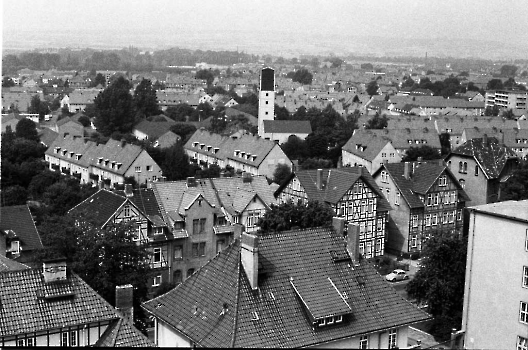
<point>474,186</point>
<point>144,160</point>
<point>275,156</point>
<point>378,340</point>
<point>494,275</point>
<point>165,336</point>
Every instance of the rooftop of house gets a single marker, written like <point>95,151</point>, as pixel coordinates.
<point>7,264</point>
<point>47,136</point>
<point>120,334</point>
<point>19,220</point>
<point>406,138</point>
<point>100,206</point>
<point>365,144</point>
<point>154,129</point>
<point>303,276</point>
<point>488,152</point>
<point>334,184</point>
<point>513,209</point>
<point>24,295</point>
<point>287,126</point>
<point>422,176</point>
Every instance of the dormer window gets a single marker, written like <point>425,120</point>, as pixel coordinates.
<point>237,152</point>
<point>113,165</point>
<point>78,156</point>
<point>242,154</point>
<point>202,145</point>
<point>64,152</point>
<point>248,155</point>
<point>409,141</point>
<point>195,144</point>
<point>57,149</point>
<point>322,322</point>
<point>106,162</point>
<point>253,157</point>
<point>99,160</point>
<point>216,149</point>
<point>71,154</point>
<point>119,165</point>
<point>209,148</point>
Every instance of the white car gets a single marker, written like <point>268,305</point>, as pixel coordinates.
<point>396,275</point>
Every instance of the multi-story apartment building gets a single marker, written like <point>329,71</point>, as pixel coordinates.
<point>509,99</point>
<point>495,313</point>
<point>92,162</point>
<point>246,153</point>
<point>426,199</point>
<point>481,165</point>
<point>352,194</point>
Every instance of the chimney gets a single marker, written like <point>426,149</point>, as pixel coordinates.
<point>3,244</point>
<point>246,177</point>
<point>128,190</point>
<point>485,140</point>
<point>123,143</point>
<point>407,170</point>
<point>66,134</point>
<point>352,243</point>
<point>124,297</point>
<point>319,179</point>
<point>339,225</point>
<point>191,182</point>
<point>222,173</point>
<point>249,257</point>
<point>238,230</point>
<point>54,270</point>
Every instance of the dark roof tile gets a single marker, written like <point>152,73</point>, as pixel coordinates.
<point>18,219</point>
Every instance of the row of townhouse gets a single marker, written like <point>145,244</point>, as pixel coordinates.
<point>92,162</point>
<point>183,224</point>
<point>247,153</point>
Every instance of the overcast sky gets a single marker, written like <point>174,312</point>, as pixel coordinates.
<point>504,20</point>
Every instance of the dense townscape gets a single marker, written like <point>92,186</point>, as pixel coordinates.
<point>182,198</point>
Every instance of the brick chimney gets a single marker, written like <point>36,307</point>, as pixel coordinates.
<point>191,182</point>
<point>339,225</point>
<point>319,179</point>
<point>128,190</point>
<point>352,243</point>
<point>124,301</point>
<point>249,257</point>
<point>407,170</point>
<point>54,270</point>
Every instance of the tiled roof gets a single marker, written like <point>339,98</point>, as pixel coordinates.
<point>103,204</point>
<point>365,144</point>
<point>233,112</point>
<point>400,137</point>
<point>235,194</point>
<point>423,177</point>
<point>491,155</point>
<point>28,305</point>
<point>287,126</point>
<point>144,199</point>
<point>509,137</point>
<point>120,334</point>
<point>83,96</point>
<point>18,219</point>
<point>47,136</point>
<point>250,145</point>
<point>216,307</point>
<point>154,129</point>
<point>335,183</point>
<point>7,264</point>
<point>115,151</point>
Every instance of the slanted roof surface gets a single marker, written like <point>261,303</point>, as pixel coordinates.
<point>7,264</point>
<point>18,219</point>
<point>102,205</point>
<point>121,333</point>
<point>25,309</point>
<point>216,307</point>
<point>365,144</point>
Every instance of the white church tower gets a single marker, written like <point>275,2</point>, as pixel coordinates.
<point>266,108</point>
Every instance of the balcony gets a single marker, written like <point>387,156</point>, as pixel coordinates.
<point>65,171</point>
<point>55,166</point>
<point>94,177</point>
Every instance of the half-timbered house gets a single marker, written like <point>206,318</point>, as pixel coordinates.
<point>352,193</point>
<point>427,199</point>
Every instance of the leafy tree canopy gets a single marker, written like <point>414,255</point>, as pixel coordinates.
<point>302,76</point>
<point>289,215</point>
<point>508,70</point>
<point>516,188</point>
<point>372,88</point>
<point>282,171</point>
<point>27,129</point>
<point>426,152</point>
<point>113,108</point>
<point>440,281</point>
<point>377,122</point>
<point>145,99</point>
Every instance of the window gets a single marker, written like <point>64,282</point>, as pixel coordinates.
<point>30,342</point>
<point>393,338</point>
<point>149,167</point>
<point>414,241</point>
<point>15,247</point>
<point>158,230</point>
<point>462,183</point>
<point>126,211</point>
<point>339,319</point>
<point>397,199</point>
<point>330,320</point>
<point>363,342</point>
<point>429,199</point>
<point>21,342</point>
<point>177,277</point>
<point>384,177</point>
<point>525,276</point>
<point>190,272</point>
<point>434,220</point>
<point>178,252</point>
<point>414,220</point>
<point>137,169</point>
<point>157,281</point>
<point>465,167</point>
<point>157,255</point>
<point>388,194</point>
<point>199,226</point>
<point>442,181</point>
<point>383,155</point>
<point>445,217</point>
<point>476,170</point>
<point>69,338</point>
<point>459,215</point>
<point>522,343</point>
<point>523,314</point>
<point>460,167</point>
<point>322,322</point>
<point>198,249</point>
<point>452,216</point>
<point>428,220</point>
<point>526,241</point>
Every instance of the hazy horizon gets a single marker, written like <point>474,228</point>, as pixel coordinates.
<point>379,27</point>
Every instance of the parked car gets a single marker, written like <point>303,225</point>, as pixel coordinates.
<point>396,275</point>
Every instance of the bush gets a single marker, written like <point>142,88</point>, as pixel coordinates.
<point>415,256</point>
<point>406,255</point>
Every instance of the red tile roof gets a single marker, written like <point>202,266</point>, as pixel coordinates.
<point>216,307</point>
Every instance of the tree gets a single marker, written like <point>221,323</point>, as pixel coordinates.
<point>99,80</point>
<point>7,82</point>
<point>103,257</point>
<point>445,143</point>
<point>179,112</point>
<point>316,163</point>
<point>302,76</point>
<point>508,70</point>
<point>84,120</point>
<point>492,111</point>
<point>289,215</point>
<point>184,130</point>
<point>372,88</point>
<point>426,152</point>
<point>440,281</point>
<point>27,129</point>
<point>495,84</point>
<point>206,75</point>
<point>508,114</point>
<point>176,165</point>
<point>295,148</point>
<point>516,187</point>
<point>408,83</point>
<point>145,99</point>
<point>14,195</point>
<point>377,122</point>
<point>113,108</point>
<point>367,66</point>
<point>281,173</point>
